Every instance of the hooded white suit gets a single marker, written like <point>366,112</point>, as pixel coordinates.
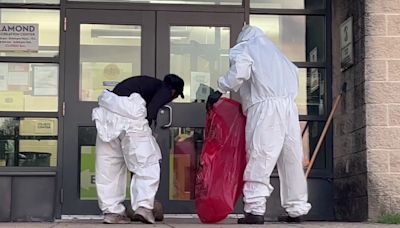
<point>125,141</point>
<point>268,84</point>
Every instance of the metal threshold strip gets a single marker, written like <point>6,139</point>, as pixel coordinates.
<point>168,216</point>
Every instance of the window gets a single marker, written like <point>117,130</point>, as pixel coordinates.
<point>48,23</point>
<point>200,56</point>
<point>28,142</point>
<point>187,144</point>
<point>28,87</point>
<point>289,34</point>
<point>122,43</point>
<point>193,2</point>
<point>311,99</point>
<point>298,29</point>
<point>288,4</point>
<point>31,1</point>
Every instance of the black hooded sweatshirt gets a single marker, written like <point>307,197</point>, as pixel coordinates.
<point>154,91</point>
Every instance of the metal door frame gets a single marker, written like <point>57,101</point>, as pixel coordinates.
<point>74,119</point>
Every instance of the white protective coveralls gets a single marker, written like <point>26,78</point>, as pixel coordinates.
<point>125,141</point>
<point>268,84</point>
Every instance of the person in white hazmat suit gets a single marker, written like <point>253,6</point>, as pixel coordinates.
<point>268,84</point>
<point>125,142</point>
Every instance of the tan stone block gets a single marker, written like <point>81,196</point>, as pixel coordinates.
<point>375,47</point>
<point>382,47</point>
<point>394,70</point>
<point>383,184</point>
<point>383,137</point>
<point>375,70</point>
<point>394,162</point>
<point>375,186</point>
<point>378,205</point>
<point>395,204</point>
<point>382,6</point>
<point>377,115</point>
<point>393,22</point>
<point>393,46</point>
<point>378,161</point>
<point>375,25</point>
<point>382,92</point>
<point>394,115</point>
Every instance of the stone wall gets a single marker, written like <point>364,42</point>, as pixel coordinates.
<point>349,127</point>
<point>367,124</point>
<point>382,97</point>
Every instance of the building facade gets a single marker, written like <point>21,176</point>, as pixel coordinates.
<point>63,53</point>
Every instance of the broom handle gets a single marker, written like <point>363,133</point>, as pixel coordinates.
<point>322,137</point>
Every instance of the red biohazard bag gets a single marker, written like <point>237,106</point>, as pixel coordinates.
<point>219,180</point>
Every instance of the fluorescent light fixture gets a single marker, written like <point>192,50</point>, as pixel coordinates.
<point>115,33</point>
<point>204,2</point>
<point>130,34</point>
<point>119,37</point>
<point>177,37</point>
<point>177,2</point>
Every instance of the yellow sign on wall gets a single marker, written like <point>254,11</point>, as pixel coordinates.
<point>35,127</point>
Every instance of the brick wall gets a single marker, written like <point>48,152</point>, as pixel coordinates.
<point>349,126</point>
<point>382,97</point>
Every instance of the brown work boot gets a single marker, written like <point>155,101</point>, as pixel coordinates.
<point>112,218</point>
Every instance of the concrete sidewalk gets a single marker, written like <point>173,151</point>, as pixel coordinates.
<point>187,223</point>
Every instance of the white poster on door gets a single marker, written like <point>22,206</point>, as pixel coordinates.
<point>199,85</point>
<point>3,76</point>
<point>19,37</point>
<point>45,80</point>
<point>18,74</point>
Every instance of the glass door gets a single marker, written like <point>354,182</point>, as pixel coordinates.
<point>194,46</point>
<point>102,48</point>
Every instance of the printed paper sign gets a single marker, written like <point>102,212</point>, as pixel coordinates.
<point>346,43</point>
<point>19,37</point>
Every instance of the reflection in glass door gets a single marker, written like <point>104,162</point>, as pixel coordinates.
<point>195,47</point>
<point>121,44</point>
<point>199,54</point>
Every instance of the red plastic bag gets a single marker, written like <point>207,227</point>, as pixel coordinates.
<point>219,181</point>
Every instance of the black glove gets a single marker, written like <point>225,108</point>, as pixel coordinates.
<point>153,124</point>
<point>212,99</point>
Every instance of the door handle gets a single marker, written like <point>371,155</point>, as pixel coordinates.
<point>170,117</point>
